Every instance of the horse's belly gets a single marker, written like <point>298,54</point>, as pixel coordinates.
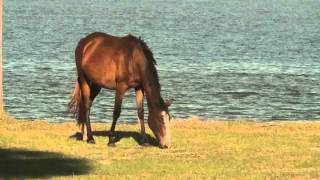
<point>103,76</point>
<point>108,84</point>
<point>104,82</point>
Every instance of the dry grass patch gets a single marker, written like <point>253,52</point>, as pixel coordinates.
<point>200,149</point>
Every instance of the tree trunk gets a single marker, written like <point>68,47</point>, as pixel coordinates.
<point>1,77</point>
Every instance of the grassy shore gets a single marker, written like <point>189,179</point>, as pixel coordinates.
<point>214,149</point>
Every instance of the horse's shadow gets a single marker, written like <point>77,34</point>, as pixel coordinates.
<point>123,134</point>
<point>129,134</point>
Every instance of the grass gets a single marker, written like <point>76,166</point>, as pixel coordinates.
<point>208,150</point>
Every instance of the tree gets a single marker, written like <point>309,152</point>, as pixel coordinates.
<point>1,77</point>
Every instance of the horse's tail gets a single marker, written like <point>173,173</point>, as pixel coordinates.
<point>74,104</point>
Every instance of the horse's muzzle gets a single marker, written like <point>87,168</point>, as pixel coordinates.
<point>164,142</point>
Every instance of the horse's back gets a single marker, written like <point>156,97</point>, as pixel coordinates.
<point>98,42</point>
<point>105,59</point>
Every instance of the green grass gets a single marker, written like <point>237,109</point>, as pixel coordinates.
<point>215,149</point>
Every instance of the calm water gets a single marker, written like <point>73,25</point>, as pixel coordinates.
<point>238,59</point>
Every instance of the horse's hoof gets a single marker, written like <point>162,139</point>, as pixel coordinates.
<point>163,147</point>
<point>146,144</point>
<point>77,136</point>
<point>91,141</point>
<point>112,140</point>
<point>111,144</point>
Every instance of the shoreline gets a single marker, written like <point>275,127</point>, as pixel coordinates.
<point>197,118</point>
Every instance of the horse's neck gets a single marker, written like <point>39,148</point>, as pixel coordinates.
<point>151,86</point>
<point>152,94</point>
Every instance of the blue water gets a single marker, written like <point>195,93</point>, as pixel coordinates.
<point>240,59</point>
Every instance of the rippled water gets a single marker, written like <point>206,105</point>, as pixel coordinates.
<point>219,59</point>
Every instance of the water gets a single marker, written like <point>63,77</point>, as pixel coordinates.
<point>220,59</point>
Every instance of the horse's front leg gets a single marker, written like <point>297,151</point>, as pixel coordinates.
<point>140,114</point>
<point>116,113</point>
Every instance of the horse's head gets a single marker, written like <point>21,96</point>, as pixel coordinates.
<point>158,121</point>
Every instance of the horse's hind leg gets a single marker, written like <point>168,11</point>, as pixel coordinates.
<point>140,113</point>
<point>88,93</point>
<point>94,91</point>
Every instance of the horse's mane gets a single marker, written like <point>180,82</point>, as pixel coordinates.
<point>146,50</point>
<point>149,56</point>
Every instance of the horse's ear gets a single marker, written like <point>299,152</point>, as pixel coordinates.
<point>169,102</point>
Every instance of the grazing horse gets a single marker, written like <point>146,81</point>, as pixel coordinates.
<point>119,63</point>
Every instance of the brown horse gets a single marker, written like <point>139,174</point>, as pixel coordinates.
<point>119,63</point>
